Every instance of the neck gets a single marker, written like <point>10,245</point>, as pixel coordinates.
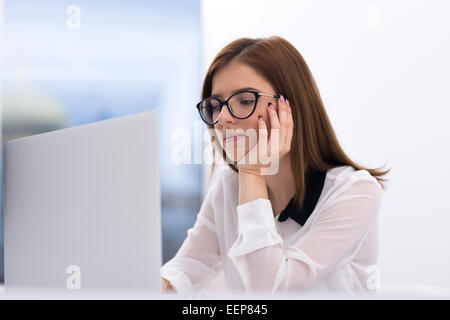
<point>281,186</point>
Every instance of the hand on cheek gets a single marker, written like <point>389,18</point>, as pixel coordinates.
<point>279,118</point>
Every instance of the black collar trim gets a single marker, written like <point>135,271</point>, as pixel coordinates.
<point>315,181</point>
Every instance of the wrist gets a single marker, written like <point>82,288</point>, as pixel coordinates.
<point>251,173</point>
<point>252,186</point>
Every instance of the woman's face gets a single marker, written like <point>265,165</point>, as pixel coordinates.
<point>233,134</point>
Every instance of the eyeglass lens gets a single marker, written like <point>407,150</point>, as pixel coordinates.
<point>241,104</point>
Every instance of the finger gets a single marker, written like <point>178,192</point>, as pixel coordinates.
<point>262,141</point>
<point>276,129</point>
<point>283,116</point>
<point>282,111</point>
<point>290,130</point>
<point>262,130</point>
<point>290,122</point>
<point>273,117</point>
<point>290,118</point>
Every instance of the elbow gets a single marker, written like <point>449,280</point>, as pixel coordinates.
<point>292,276</point>
<point>296,276</point>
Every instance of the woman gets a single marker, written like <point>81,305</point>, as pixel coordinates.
<point>304,220</point>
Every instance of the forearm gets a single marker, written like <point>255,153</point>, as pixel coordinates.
<point>251,187</point>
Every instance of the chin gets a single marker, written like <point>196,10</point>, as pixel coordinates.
<point>235,151</point>
<point>234,157</point>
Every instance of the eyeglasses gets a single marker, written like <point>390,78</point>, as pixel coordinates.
<point>241,105</point>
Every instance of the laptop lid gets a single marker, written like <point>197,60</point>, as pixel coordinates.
<point>82,207</point>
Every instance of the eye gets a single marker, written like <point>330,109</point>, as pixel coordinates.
<point>247,102</point>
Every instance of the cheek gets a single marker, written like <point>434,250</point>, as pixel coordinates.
<point>218,137</point>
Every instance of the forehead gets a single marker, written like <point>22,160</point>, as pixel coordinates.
<point>235,76</point>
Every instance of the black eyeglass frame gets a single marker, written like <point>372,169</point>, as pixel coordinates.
<point>221,103</point>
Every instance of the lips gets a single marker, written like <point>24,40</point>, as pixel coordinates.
<point>233,137</point>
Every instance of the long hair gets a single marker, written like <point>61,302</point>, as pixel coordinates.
<point>314,142</point>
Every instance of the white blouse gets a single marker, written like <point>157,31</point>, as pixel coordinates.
<point>335,251</point>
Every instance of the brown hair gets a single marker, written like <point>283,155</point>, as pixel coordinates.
<point>314,143</point>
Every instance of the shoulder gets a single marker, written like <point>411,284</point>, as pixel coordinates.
<point>348,180</point>
<point>343,175</point>
<point>351,193</point>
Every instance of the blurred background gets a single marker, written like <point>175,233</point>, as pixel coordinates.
<point>381,67</point>
<point>118,58</point>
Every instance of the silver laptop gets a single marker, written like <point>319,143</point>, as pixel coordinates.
<point>82,207</point>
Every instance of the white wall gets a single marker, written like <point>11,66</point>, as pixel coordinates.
<point>383,72</point>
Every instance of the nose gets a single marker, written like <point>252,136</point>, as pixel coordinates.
<point>225,116</point>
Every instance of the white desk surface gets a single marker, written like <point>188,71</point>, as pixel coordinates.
<point>389,292</point>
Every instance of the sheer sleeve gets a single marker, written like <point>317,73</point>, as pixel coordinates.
<point>264,264</point>
<point>198,259</point>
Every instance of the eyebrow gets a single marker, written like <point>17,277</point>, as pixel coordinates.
<point>246,88</point>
